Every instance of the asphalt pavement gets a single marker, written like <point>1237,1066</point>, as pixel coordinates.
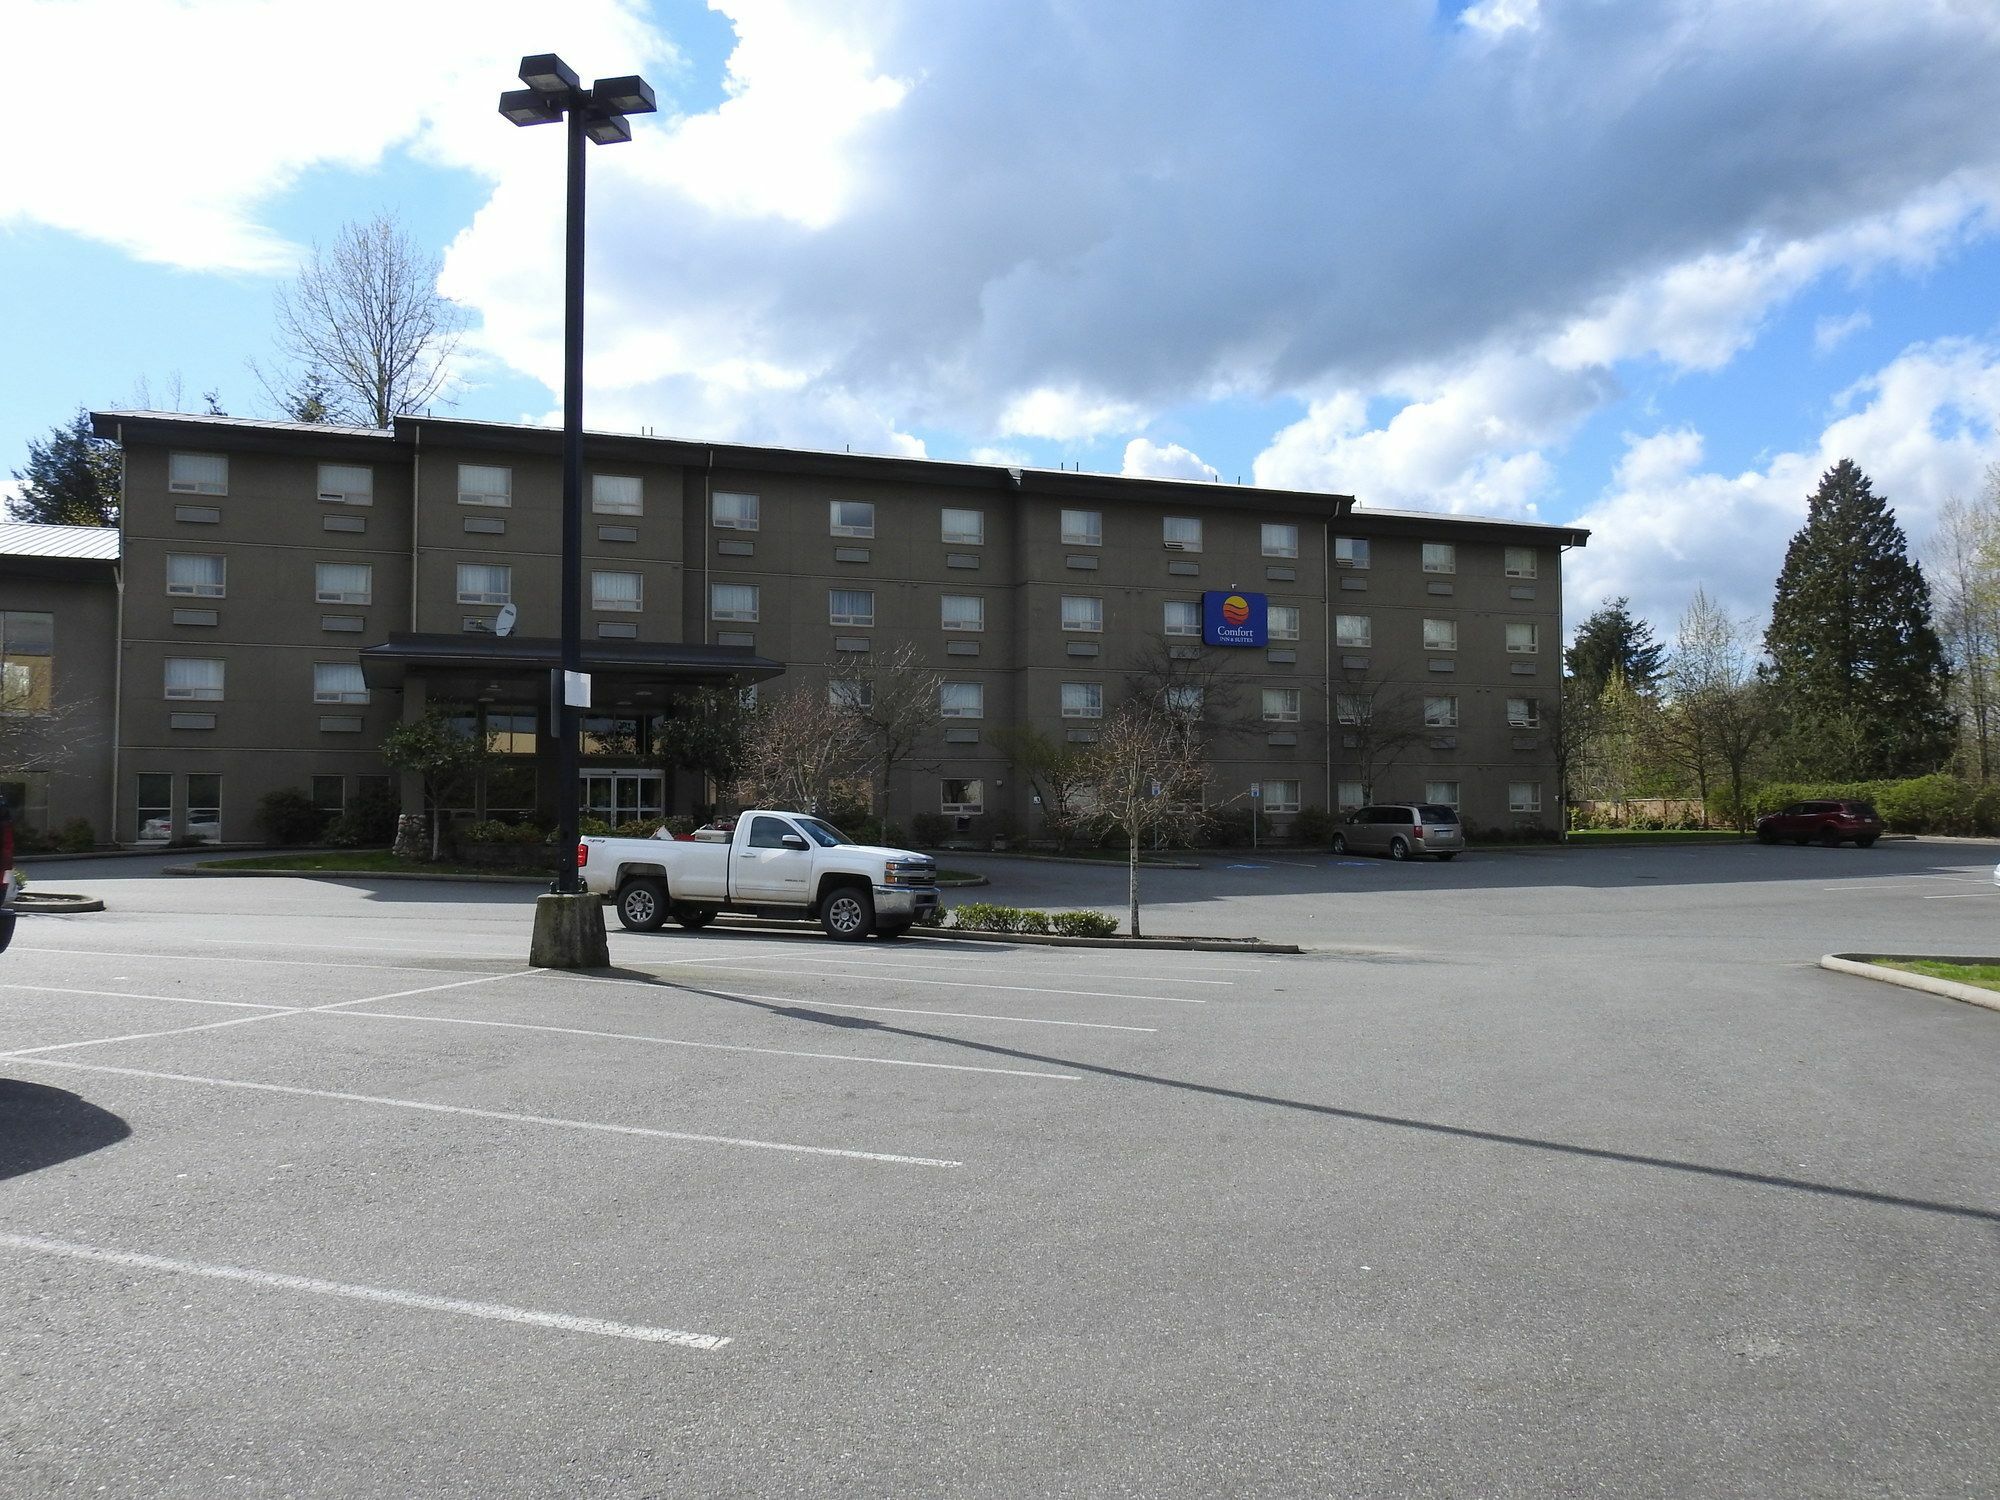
<point>1547,1173</point>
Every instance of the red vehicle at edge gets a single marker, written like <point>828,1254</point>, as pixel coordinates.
<point>1828,823</point>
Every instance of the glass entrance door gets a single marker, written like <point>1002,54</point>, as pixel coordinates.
<point>620,797</point>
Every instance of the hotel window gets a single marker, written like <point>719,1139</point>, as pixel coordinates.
<point>198,473</point>
<point>1181,533</point>
<point>617,495</point>
<point>1444,792</point>
<point>1524,713</point>
<point>154,806</point>
<point>485,583</point>
<point>1524,639</point>
<point>1521,562</point>
<point>1082,612</point>
<point>1280,541</point>
<point>1082,700</point>
<point>343,583</point>
<point>196,680</point>
<point>481,484</point>
<point>1353,630</point>
<point>196,576</point>
<point>204,806</point>
<point>1524,796</point>
<point>617,591</point>
<point>1350,551</point>
<point>1182,617</point>
<point>1440,557</point>
<point>329,794</point>
<point>962,796</point>
<point>1083,528</point>
<point>338,682</point>
<point>1184,698</point>
<point>963,528</point>
<point>962,612</point>
<point>1283,620</point>
<point>1280,796</point>
<point>850,607</point>
<point>732,601</point>
<point>27,661</point>
<point>1441,713</point>
<point>1348,794</point>
<point>845,692</point>
<point>850,518</point>
<point>1440,635</point>
<point>734,512</point>
<point>1353,708</point>
<point>1281,705</point>
<point>962,700</point>
<point>347,484</point>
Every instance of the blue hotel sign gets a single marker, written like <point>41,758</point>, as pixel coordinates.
<point>1234,619</point>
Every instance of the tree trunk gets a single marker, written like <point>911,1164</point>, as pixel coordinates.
<point>1132,880</point>
<point>437,827</point>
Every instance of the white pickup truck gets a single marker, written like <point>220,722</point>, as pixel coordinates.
<point>772,863</point>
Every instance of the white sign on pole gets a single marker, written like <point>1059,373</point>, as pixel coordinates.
<point>1256,789</point>
<point>576,689</point>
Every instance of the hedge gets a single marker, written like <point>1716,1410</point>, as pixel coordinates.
<point>984,916</point>
<point>1922,804</point>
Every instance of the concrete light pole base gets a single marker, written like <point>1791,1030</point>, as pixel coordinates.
<point>569,933</point>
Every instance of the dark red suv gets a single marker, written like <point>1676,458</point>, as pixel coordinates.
<point>1828,823</point>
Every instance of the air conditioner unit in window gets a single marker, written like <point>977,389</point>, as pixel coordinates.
<point>1343,562</point>
<point>1176,546</point>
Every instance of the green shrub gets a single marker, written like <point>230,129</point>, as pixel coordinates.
<point>1921,804</point>
<point>983,916</point>
<point>1314,827</point>
<point>368,823</point>
<point>493,831</point>
<point>928,830</point>
<point>1229,827</point>
<point>593,828</point>
<point>1083,923</point>
<point>289,816</point>
<point>76,837</point>
<point>1031,921</point>
<point>931,916</point>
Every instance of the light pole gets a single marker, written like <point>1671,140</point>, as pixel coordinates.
<point>596,113</point>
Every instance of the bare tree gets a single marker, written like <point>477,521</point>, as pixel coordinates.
<point>1376,719</point>
<point>1571,724</point>
<point>366,325</point>
<point>897,698</point>
<point>1699,672</point>
<point>37,733</point>
<point>1144,776</point>
<point>1056,770</point>
<point>1964,572</point>
<point>804,753</point>
<point>1192,686</point>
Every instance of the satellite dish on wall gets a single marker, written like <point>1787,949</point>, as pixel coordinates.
<point>503,623</point>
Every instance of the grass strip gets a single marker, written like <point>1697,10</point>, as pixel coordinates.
<point>1985,976</point>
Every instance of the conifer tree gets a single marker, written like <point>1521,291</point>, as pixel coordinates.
<point>1854,656</point>
<point>1611,640</point>
<point>72,478</point>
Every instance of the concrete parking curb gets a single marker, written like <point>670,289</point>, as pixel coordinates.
<point>356,875</point>
<point>1066,859</point>
<point>1867,966</point>
<point>55,903</point>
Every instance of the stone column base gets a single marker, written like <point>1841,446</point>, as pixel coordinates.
<point>569,933</point>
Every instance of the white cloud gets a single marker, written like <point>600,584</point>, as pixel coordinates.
<point>1829,333</point>
<point>1498,17</point>
<point>1148,460</point>
<point>1923,428</point>
<point>1064,415</point>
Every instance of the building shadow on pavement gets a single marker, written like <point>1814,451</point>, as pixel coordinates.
<point>41,1126</point>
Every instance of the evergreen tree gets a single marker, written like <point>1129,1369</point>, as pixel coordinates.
<point>1610,639</point>
<point>310,399</point>
<point>1854,656</point>
<point>72,478</point>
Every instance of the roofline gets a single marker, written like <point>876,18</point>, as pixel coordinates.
<point>1411,522</point>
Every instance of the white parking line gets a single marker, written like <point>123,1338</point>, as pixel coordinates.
<point>935,968</point>
<point>47,989</point>
<point>668,1041</point>
<point>893,1010</point>
<point>553,1121</point>
<point>602,1327</point>
<point>1956,896</point>
<point>216,958</point>
<point>966,984</point>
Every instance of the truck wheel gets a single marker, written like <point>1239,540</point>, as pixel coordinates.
<point>890,930</point>
<point>847,913</point>
<point>694,918</point>
<point>642,905</point>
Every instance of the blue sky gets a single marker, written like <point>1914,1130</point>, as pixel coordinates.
<point>1649,267</point>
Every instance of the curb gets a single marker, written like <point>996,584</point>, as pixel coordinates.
<point>953,885</point>
<point>1033,939</point>
<point>1862,965</point>
<point>55,903</point>
<point>1065,859</point>
<point>355,875</point>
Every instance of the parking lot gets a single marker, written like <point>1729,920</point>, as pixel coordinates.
<point>1550,1173</point>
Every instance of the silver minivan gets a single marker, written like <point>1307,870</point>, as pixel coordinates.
<point>1401,830</point>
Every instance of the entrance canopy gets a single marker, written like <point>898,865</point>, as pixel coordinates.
<point>624,674</point>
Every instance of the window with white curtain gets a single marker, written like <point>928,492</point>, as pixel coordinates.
<point>1441,712</point>
<point>733,601</point>
<point>1280,796</point>
<point>850,606</point>
<point>347,484</point>
<point>485,583</point>
<point>1183,617</point>
<point>1440,557</point>
<point>963,528</point>
<point>1281,705</point>
<point>483,484</point>
<point>1186,698</point>
<point>962,796</point>
<point>963,612</point>
<point>1280,540</point>
<point>344,583</point>
<point>1353,708</point>
<point>733,512</point>
<point>962,700</point>
<point>617,495</point>
<point>1524,796</point>
<point>198,473</point>
<point>617,591</point>
<point>1524,713</point>
<point>1350,551</point>
<point>1348,794</point>
<point>851,517</point>
<point>1181,533</point>
<point>1083,528</point>
<point>1445,792</point>
<point>1083,612</point>
<point>1353,630</point>
<point>1082,700</point>
<point>195,575</point>
<point>1520,562</point>
<point>338,682</point>
<point>845,692</point>
<point>194,678</point>
<point>1524,639</point>
<point>1283,621</point>
<point>1440,635</point>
